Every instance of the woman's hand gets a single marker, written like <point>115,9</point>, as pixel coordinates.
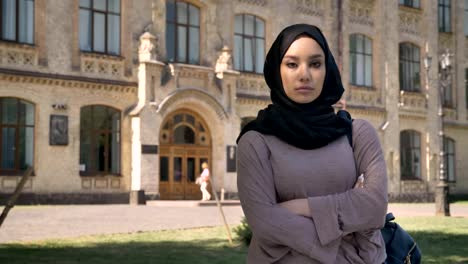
<point>297,206</point>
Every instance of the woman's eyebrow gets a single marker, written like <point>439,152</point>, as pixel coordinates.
<point>315,56</point>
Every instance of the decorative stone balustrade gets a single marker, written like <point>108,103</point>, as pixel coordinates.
<point>364,97</point>
<point>361,12</point>
<point>102,65</point>
<point>310,7</point>
<point>413,102</point>
<point>18,55</point>
<point>252,85</point>
<point>410,20</point>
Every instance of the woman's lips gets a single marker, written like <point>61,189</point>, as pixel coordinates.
<point>304,89</point>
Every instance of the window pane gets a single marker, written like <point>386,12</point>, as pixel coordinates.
<point>184,135</point>
<point>113,31</point>
<point>238,24</point>
<point>191,169</point>
<point>182,12</point>
<point>352,67</point>
<point>352,43</point>
<point>100,117</point>
<point>85,30</point>
<point>447,19</point>
<point>170,41</point>
<point>170,11</point>
<point>177,169</point>
<point>99,32</point>
<point>115,120</point>
<point>360,69</point>
<point>368,45</point>
<point>194,45</point>
<point>259,55</point>
<point>416,163</point>
<point>99,5</point>
<point>190,119</point>
<point>9,111</point>
<point>194,15</point>
<point>8,147</point>
<point>9,19</point>
<point>26,21</point>
<point>359,44</point>
<point>238,52</point>
<point>248,54</point>
<point>182,44</point>
<point>368,71</point>
<point>100,152</point>
<point>163,168</point>
<point>114,152</point>
<point>85,3</point>
<point>114,6</point>
<point>249,25</point>
<point>85,149</point>
<point>260,27</point>
<point>26,147</point>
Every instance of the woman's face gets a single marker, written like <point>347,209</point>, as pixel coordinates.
<point>303,70</point>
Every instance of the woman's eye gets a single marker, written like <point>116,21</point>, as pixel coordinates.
<point>316,64</point>
<point>291,65</point>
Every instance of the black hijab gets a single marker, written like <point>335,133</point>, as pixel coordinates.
<point>306,126</point>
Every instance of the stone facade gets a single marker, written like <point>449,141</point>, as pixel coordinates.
<point>147,90</point>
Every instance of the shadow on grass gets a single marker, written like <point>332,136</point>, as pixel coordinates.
<point>203,251</point>
<point>440,247</point>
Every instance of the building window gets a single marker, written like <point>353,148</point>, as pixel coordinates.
<point>466,19</point>
<point>16,134</point>
<point>410,78</point>
<point>99,140</point>
<point>17,21</point>
<point>444,16</point>
<point>100,26</point>
<point>182,32</point>
<point>466,88</point>
<point>360,52</point>
<point>249,43</point>
<point>410,151</point>
<point>410,3</point>
<point>449,158</point>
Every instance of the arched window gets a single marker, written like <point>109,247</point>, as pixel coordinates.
<point>249,43</point>
<point>16,134</point>
<point>184,135</point>
<point>100,26</point>
<point>17,21</point>
<point>360,61</point>
<point>410,65</point>
<point>449,155</point>
<point>99,140</point>
<point>184,128</point>
<point>182,32</point>
<point>410,155</point>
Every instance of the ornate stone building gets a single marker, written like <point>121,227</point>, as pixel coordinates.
<point>106,97</point>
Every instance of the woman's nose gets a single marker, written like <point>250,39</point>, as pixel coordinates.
<point>304,74</point>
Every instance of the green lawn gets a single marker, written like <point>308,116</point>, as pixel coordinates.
<point>442,240</point>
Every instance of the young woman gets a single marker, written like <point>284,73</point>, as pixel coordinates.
<point>297,170</point>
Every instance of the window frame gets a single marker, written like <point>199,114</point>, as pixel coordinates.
<point>450,155</point>
<point>465,17</point>
<point>17,170</point>
<point>411,147</point>
<point>187,27</point>
<point>364,55</point>
<point>254,38</point>
<point>446,8</point>
<point>410,3</point>
<point>93,134</point>
<point>17,23</point>
<point>411,63</point>
<point>106,13</point>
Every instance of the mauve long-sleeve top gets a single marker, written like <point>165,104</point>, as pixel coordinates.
<point>345,222</point>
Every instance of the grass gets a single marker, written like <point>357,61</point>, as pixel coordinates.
<point>442,240</point>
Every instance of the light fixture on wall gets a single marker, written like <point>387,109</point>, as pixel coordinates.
<point>60,106</point>
<point>384,125</point>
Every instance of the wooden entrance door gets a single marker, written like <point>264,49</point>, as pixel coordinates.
<point>185,145</point>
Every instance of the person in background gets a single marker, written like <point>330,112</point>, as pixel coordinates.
<point>204,178</point>
<point>299,164</point>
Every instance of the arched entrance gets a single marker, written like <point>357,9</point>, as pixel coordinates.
<point>185,143</point>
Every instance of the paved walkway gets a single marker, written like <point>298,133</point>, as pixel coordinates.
<point>27,223</point>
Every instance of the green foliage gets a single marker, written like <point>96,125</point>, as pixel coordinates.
<point>243,232</point>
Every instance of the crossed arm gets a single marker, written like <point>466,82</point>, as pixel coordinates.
<point>312,226</point>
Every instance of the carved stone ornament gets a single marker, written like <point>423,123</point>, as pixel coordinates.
<point>410,22</point>
<point>361,12</point>
<point>310,7</point>
<point>146,50</point>
<point>254,2</point>
<point>223,63</point>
